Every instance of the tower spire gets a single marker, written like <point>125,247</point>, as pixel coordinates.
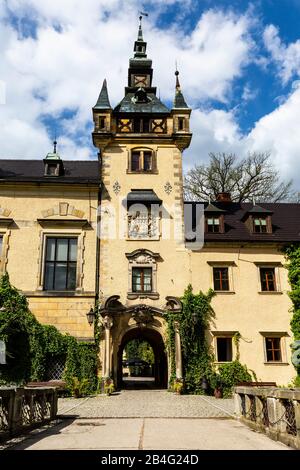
<point>140,32</point>
<point>140,45</point>
<point>103,100</point>
<point>179,101</point>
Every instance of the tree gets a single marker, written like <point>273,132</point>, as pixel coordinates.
<point>253,177</point>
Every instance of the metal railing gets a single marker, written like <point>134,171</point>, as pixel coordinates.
<point>275,411</point>
<point>22,409</point>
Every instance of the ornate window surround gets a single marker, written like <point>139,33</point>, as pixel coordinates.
<point>142,259</point>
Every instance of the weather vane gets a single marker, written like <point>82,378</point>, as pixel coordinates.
<point>142,13</point>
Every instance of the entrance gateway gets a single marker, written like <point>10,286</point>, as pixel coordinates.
<point>145,322</point>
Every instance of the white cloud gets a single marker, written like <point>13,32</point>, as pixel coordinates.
<point>287,58</point>
<point>65,65</point>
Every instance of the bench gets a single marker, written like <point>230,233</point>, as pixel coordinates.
<point>58,384</point>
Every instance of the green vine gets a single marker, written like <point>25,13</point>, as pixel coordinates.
<point>292,254</point>
<point>31,345</point>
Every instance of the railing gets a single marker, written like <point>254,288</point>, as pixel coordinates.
<point>22,409</point>
<point>274,411</point>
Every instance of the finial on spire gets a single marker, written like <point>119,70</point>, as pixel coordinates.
<point>54,145</point>
<point>177,80</point>
<point>140,33</point>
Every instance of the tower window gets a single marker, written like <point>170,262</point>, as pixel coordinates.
<point>181,123</point>
<point>141,125</point>
<point>141,279</point>
<point>102,123</point>
<point>141,160</point>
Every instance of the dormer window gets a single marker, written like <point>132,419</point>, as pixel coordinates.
<point>213,224</point>
<point>260,224</point>
<point>51,169</point>
<point>53,164</point>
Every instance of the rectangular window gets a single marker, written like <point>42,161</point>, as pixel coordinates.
<point>260,225</point>
<point>60,264</point>
<point>141,279</point>
<point>141,125</point>
<point>102,123</point>
<point>273,349</point>
<point>224,349</point>
<point>221,279</point>
<point>135,161</point>
<point>147,161</point>
<point>268,280</point>
<point>180,123</point>
<point>141,160</point>
<point>213,224</point>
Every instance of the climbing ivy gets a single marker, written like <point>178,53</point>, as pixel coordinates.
<point>30,345</point>
<point>292,253</point>
<point>193,323</point>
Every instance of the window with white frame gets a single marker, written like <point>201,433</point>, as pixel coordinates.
<point>222,276</point>
<point>60,263</point>
<point>274,347</point>
<point>142,274</point>
<point>269,277</point>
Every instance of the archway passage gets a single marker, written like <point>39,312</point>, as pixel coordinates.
<point>160,367</point>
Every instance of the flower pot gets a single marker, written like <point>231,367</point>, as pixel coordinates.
<point>218,393</point>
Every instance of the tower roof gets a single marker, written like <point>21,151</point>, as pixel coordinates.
<point>179,101</point>
<point>103,100</point>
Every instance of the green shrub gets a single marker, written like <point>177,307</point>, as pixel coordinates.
<point>231,374</point>
<point>78,387</point>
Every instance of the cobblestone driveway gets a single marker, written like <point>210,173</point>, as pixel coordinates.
<point>147,404</point>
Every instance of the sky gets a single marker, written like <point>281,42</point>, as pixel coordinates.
<point>239,64</point>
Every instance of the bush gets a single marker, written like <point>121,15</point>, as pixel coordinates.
<point>230,375</point>
<point>78,387</point>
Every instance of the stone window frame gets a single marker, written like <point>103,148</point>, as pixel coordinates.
<point>282,335</point>
<point>142,172</point>
<point>270,264</point>
<point>142,258</point>
<point>227,335</point>
<point>223,264</point>
<point>44,234</point>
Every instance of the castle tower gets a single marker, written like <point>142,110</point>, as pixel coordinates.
<point>143,258</point>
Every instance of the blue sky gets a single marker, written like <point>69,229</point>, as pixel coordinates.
<point>239,65</point>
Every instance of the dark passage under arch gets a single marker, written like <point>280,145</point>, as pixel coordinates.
<point>156,342</point>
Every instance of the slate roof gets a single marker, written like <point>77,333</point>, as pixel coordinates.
<point>179,101</point>
<point>154,106</point>
<point>75,171</point>
<point>103,100</point>
<point>285,222</point>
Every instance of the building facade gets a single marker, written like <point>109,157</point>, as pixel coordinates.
<point>116,233</point>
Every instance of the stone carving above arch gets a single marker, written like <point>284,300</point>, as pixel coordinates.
<point>113,304</point>
<point>173,304</point>
<point>63,209</point>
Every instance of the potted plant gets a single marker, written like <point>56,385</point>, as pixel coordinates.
<point>109,387</point>
<point>178,386</point>
<point>216,384</point>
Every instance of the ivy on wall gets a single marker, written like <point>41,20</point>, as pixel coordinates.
<point>30,345</point>
<point>292,253</point>
<point>193,323</point>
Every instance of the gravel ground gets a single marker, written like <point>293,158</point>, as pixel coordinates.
<point>147,404</point>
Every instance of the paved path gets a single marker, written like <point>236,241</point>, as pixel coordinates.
<point>148,420</point>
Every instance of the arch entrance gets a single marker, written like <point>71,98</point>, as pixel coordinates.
<point>160,366</point>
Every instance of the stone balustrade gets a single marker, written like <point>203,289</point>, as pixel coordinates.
<point>22,409</point>
<point>274,411</point>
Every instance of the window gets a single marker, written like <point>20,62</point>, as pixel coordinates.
<point>213,224</point>
<point>181,123</point>
<point>141,125</point>
<point>141,279</point>
<point>1,244</point>
<point>60,264</point>
<point>102,123</point>
<point>260,224</point>
<point>221,279</point>
<point>268,280</point>
<point>273,349</point>
<point>224,349</point>
<point>141,160</point>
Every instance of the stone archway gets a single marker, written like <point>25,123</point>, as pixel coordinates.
<point>155,340</point>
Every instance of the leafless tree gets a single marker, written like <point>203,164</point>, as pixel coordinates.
<point>253,177</point>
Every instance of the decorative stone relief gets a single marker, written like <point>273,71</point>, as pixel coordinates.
<point>116,187</point>
<point>168,188</point>
<point>5,212</point>
<point>63,209</point>
<point>142,315</point>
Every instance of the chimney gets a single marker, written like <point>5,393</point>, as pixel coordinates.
<point>224,197</point>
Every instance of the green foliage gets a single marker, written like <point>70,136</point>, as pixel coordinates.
<point>31,345</point>
<point>140,349</point>
<point>230,375</point>
<point>193,322</point>
<point>292,253</point>
<point>109,387</point>
<point>78,387</point>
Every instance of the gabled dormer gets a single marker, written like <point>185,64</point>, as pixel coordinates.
<point>258,220</point>
<point>53,164</point>
<point>214,219</point>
